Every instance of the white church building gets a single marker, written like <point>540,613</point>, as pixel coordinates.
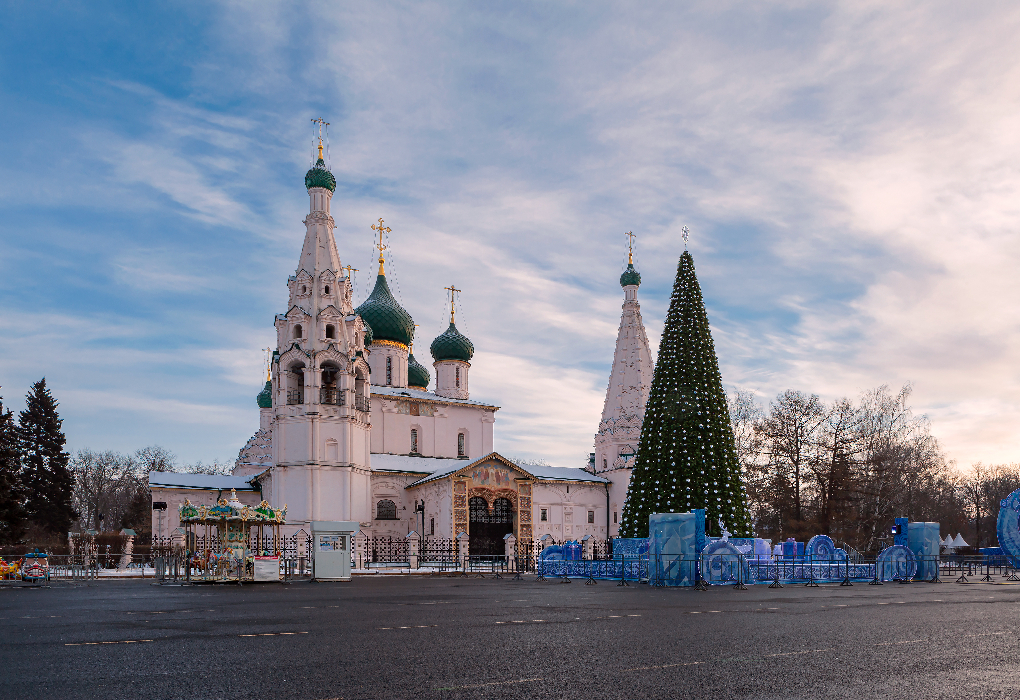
<point>350,430</point>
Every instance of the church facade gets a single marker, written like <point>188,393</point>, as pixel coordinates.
<point>350,430</point>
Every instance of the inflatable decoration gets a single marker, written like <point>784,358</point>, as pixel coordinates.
<point>896,562</point>
<point>1008,527</point>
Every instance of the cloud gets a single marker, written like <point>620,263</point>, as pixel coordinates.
<point>848,172</point>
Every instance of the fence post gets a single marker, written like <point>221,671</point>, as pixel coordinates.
<point>360,543</point>
<point>462,549</point>
<point>412,550</point>
<point>588,547</point>
<point>510,550</point>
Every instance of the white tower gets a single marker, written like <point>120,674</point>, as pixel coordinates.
<point>320,406</point>
<point>616,442</point>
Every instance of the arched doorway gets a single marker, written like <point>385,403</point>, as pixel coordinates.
<point>488,527</point>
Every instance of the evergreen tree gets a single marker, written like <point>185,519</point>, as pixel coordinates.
<point>12,513</point>
<point>687,456</point>
<point>47,481</point>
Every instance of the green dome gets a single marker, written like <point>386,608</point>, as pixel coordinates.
<point>368,332</point>
<point>452,345</point>
<point>388,319</point>
<point>318,176</point>
<point>265,397</point>
<point>630,276</point>
<point>417,376</point>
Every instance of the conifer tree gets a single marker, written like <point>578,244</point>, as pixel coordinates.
<point>12,513</point>
<point>46,480</point>
<point>687,456</point>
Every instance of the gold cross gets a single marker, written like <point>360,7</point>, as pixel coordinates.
<point>452,290</point>
<point>630,247</point>
<point>381,230</point>
<point>321,124</point>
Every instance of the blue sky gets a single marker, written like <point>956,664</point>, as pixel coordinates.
<point>850,174</point>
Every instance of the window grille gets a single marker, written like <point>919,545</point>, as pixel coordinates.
<point>389,371</point>
<point>458,377</point>
<point>544,516</point>
<point>414,440</point>
<point>591,516</point>
<point>385,510</point>
<point>461,447</point>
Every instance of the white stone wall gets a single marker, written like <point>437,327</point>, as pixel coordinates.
<point>438,426</point>
<point>567,506</point>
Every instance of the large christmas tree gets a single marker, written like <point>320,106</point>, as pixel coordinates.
<point>687,457</point>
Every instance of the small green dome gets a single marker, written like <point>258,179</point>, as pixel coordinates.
<point>265,397</point>
<point>417,376</point>
<point>318,176</point>
<point>452,345</point>
<point>630,277</point>
<point>388,319</point>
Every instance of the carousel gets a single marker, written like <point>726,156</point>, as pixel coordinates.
<point>233,542</point>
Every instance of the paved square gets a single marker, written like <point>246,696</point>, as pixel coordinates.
<point>403,637</point>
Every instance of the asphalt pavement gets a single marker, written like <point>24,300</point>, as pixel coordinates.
<point>437,637</point>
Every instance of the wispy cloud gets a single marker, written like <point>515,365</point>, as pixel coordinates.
<point>848,172</point>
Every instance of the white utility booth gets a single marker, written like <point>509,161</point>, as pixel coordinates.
<point>332,542</point>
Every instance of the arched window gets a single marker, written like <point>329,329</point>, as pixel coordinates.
<point>389,371</point>
<point>296,385</point>
<point>414,441</point>
<point>326,291</point>
<point>304,289</point>
<point>330,330</point>
<point>432,526</point>
<point>461,445</point>
<point>458,377</point>
<point>385,510</point>
<point>297,331</point>
<point>605,464</point>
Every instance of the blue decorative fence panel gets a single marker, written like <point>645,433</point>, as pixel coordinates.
<point>636,568</point>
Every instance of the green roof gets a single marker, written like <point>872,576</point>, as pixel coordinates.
<point>318,176</point>
<point>388,319</point>
<point>630,277</point>
<point>452,345</point>
<point>265,397</point>
<point>368,332</point>
<point>417,376</point>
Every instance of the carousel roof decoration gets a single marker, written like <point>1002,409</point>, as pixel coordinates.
<point>232,509</point>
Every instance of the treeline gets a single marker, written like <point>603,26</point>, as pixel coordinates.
<point>45,492</point>
<point>848,468</point>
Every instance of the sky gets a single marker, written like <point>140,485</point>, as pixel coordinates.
<point>849,172</point>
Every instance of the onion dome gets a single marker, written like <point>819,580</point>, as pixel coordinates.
<point>630,277</point>
<point>318,176</point>
<point>368,332</point>
<point>452,345</point>
<point>265,397</point>
<point>417,376</point>
<point>388,319</point>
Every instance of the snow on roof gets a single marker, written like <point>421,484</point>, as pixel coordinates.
<point>407,392</point>
<point>177,480</point>
<point>415,465</point>
<point>540,472</point>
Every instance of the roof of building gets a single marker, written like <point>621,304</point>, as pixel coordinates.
<point>318,176</point>
<point>388,319</point>
<point>265,397</point>
<point>630,277</point>
<point>178,480</point>
<point>417,375</point>
<point>540,472</point>
<point>409,393</point>
<point>452,345</point>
